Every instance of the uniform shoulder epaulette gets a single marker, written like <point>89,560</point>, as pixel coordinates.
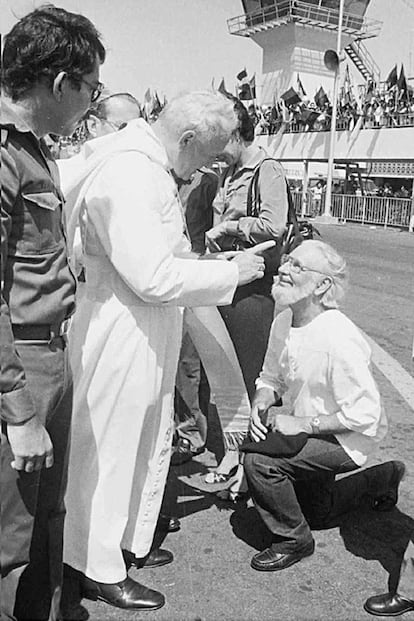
<point>4,136</point>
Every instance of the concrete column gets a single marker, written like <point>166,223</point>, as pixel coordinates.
<point>305,187</point>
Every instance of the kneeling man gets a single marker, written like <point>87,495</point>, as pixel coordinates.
<point>319,362</point>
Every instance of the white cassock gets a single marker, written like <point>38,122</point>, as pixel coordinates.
<point>124,344</point>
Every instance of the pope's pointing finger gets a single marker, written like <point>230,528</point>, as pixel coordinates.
<point>259,248</point>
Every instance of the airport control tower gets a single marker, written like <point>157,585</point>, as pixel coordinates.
<point>294,35</point>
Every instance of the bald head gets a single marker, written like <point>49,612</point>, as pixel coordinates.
<point>118,108</point>
<point>111,113</point>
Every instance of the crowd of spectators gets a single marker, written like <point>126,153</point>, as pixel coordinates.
<point>375,107</point>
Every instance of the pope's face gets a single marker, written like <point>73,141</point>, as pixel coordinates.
<point>194,154</point>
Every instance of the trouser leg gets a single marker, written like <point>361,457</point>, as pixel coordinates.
<point>19,493</point>
<point>248,321</point>
<point>406,583</point>
<point>37,588</point>
<point>192,422</point>
<point>272,484</point>
<point>327,499</point>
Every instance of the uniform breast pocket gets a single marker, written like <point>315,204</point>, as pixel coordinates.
<point>42,227</point>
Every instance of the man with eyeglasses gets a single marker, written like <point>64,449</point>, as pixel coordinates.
<point>331,419</point>
<point>50,75</point>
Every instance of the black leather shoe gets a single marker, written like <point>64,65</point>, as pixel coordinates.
<point>183,452</point>
<point>272,560</point>
<point>127,594</point>
<point>156,558</point>
<point>388,605</point>
<point>168,523</point>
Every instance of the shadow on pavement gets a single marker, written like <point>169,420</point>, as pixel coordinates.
<point>378,536</point>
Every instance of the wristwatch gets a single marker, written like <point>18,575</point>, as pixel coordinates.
<point>315,424</point>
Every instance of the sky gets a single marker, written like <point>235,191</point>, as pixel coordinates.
<point>176,45</point>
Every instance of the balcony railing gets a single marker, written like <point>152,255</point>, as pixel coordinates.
<point>389,121</point>
<point>373,210</point>
<point>284,11</point>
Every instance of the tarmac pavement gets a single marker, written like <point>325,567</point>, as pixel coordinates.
<point>211,578</point>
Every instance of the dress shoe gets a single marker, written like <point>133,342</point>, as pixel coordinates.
<point>393,473</point>
<point>183,452</point>
<point>273,560</point>
<point>156,558</point>
<point>168,523</point>
<point>126,594</point>
<point>388,605</point>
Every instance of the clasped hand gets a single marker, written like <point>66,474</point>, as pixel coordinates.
<point>31,446</point>
<point>259,426</point>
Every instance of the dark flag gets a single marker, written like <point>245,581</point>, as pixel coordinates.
<point>243,74</point>
<point>290,97</point>
<point>392,77</point>
<point>308,117</point>
<point>248,90</point>
<point>321,98</point>
<point>222,87</point>
<point>300,89</point>
<point>402,85</point>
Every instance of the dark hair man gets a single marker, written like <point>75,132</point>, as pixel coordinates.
<point>50,75</point>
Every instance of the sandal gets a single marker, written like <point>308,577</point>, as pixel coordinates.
<point>220,477</point>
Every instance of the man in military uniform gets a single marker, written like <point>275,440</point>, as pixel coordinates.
<point>50,74</point>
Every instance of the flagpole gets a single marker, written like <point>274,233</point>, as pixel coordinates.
<point>328,195</point>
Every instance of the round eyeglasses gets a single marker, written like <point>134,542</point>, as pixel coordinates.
<point>296,266</point>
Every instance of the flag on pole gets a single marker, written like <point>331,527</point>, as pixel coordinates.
<point>346,96</point>
<point>402,85</point>
<point>222,87</point>
<point>301,91</point>
<point>242,75</point>
<point>321,98</point>
<point>392,78</point>
<point>291,97</point>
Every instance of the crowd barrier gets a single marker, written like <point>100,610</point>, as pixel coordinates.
<point>375,210</point>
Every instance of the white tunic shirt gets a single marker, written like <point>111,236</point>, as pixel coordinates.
<point>324,368</point>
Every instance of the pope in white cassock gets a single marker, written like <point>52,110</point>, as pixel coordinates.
<point>126,333</point>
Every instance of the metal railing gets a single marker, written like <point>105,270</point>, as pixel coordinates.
<point>305,12</point>
<point>374,210</point>
<point>388,121</point>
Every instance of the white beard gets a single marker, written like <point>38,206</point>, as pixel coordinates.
<point>286,295</point>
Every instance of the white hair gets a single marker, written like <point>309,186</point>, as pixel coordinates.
<point>209,113</point>
<point>335,268</point>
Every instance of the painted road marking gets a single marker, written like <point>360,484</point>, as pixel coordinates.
<point>402,381</point>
